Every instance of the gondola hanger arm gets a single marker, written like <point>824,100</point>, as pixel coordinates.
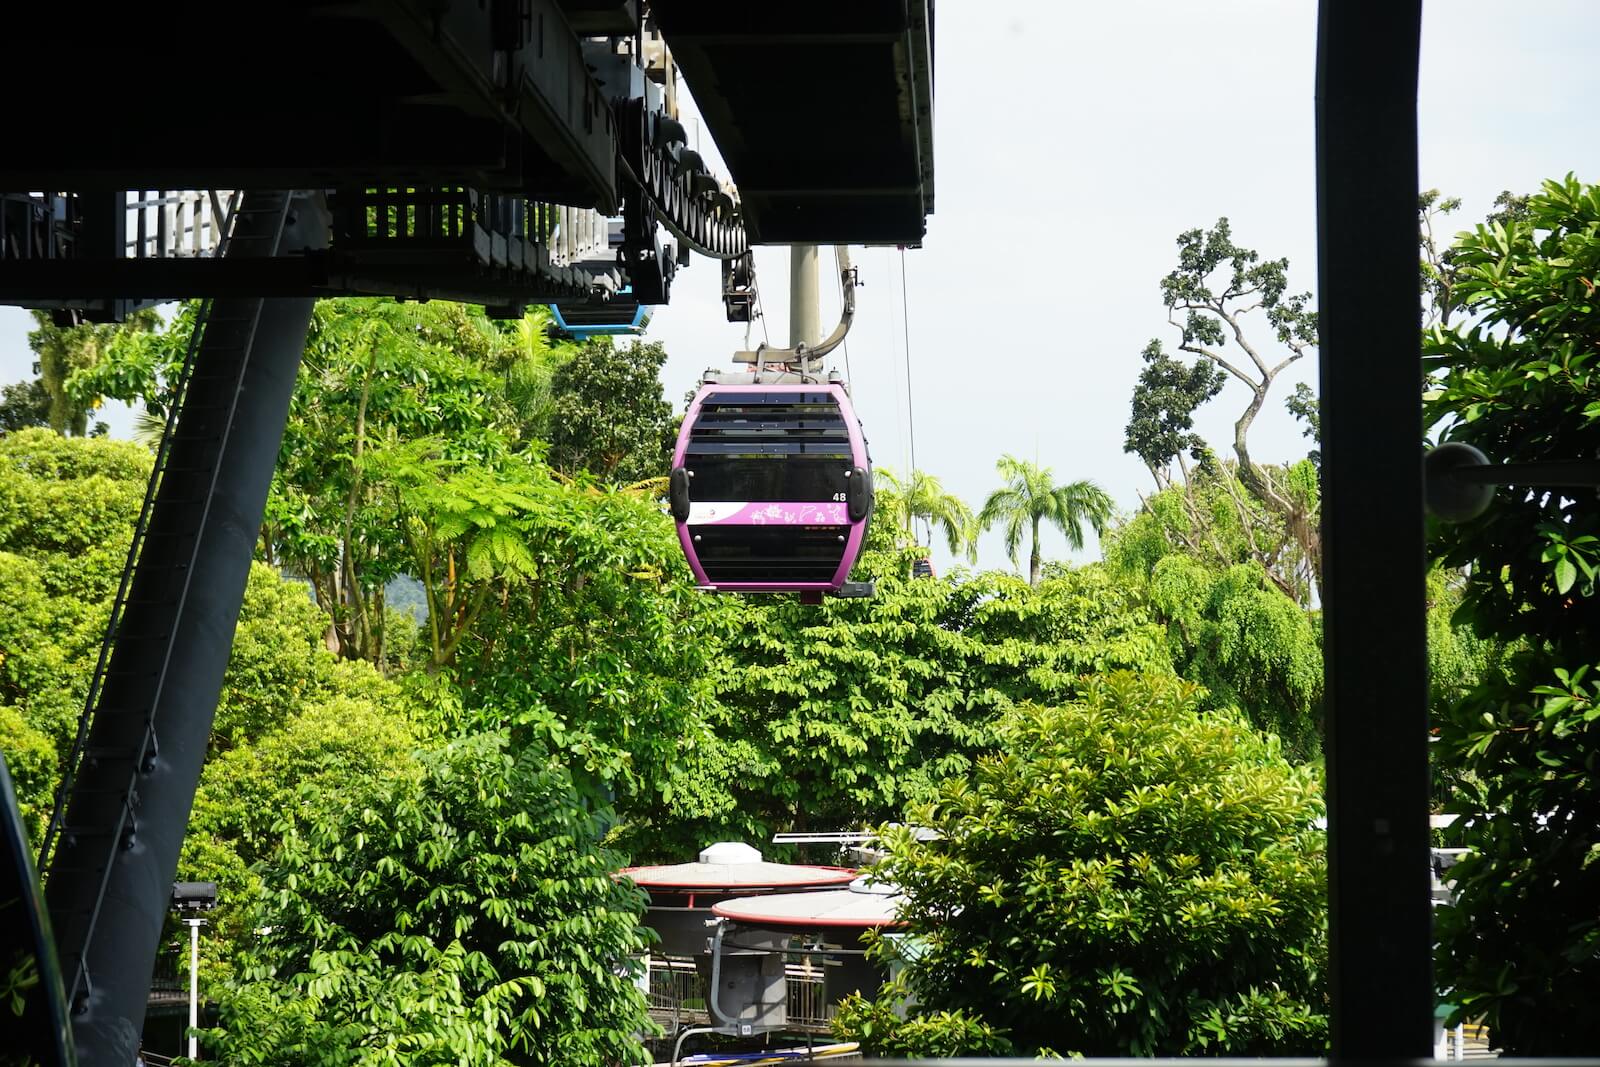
<point>804,355</point>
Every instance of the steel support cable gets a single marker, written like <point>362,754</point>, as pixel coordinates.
<point>841,260</point>
<point>894,371</point>
<point>761,313</point>
<point>905,319</point>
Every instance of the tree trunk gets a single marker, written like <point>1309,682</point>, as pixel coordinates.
<point>1033,556</point>
<point>1302,527</point>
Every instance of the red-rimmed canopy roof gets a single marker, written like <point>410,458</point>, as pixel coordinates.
<point>833,908</point>
<point>735,868</point>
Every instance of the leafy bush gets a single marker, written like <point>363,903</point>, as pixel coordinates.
<point>31,759</point>
<point>839,714</point>
<point>461,916</point>
<point>1518,380</point>
<point>1128,877</point>
<point>67,509</point>
<point>934,1033</point>
<point>1247,643</point>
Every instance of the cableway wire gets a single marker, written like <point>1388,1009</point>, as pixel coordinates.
<point>894,369</point>
<point>761,312</point>
<point>905,319</point>
<point>838,260</point>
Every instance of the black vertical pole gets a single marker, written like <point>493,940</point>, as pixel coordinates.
<point>1373,548</point>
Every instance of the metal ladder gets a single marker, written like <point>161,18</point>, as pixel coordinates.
<point>97,804</point>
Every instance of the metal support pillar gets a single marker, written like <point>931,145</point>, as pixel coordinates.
<point>805,306</point>
<point>105,235</point>
<point>1374,556</point>
<point>165,673</point>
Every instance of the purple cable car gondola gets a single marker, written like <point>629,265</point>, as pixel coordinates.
<point>772,488</point>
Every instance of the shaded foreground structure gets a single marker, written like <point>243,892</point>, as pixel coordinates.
<point>504,153</point>
<point>495,105</point>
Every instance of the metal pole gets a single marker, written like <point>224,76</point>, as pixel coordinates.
<point>805,311</point>
<point>194,986</point>
<point>1374,556</point>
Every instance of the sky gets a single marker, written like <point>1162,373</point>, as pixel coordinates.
<point>1072,144</point>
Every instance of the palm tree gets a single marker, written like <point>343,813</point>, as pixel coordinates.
<point>924,497</point>
<point>1030,497</point>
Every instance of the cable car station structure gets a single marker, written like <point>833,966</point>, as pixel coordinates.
<point>451,150</point>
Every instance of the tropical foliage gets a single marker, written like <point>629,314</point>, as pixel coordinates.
<point>66,516</point>
<point>838,715</point>
<point>411,814</point>
<point>1210,296</point>
<point>463,914</point>
<point>903,502</point>
<point>560,661</point>
<point>1516,375</point>
<point>1030,497</point>
<point>65,351</point>
<point>608,416</point>
<point>1124,877</point>
<point>1210,516</point>
<point>384,386</point>
<point>1249,645</point>
<point>24,404</point>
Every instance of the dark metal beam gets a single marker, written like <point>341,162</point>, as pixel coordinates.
<point>351,141</point>
<point>152,723</point>
<point>866,174</point>
<point>381,91</point>
<point>78,283</point>
<point>1374,642</point>
<point>96,279</point>
<point>540,82</point>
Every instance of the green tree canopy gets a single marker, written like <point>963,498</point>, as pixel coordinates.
<point>1517,376</point>
<point>1030,497</point>
<point>66,350</point>
<point>24,404</point>
<point>1249,645</point>
<point>1127,876</point>
<point>377,377</point>
<point>608,415</point>
<point>462,915</point>
<point>1164,402</point>
<point>1210,297</point>
<point>66,517</point>
<point>836,716</point>
<point>1211,517</point>
<point>903,502</point>
<point>592,641</point>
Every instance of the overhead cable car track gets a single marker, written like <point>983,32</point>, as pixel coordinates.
<point>678,189</point>
<point>905,319</point>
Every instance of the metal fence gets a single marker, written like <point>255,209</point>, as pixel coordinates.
<point>677,996</point>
